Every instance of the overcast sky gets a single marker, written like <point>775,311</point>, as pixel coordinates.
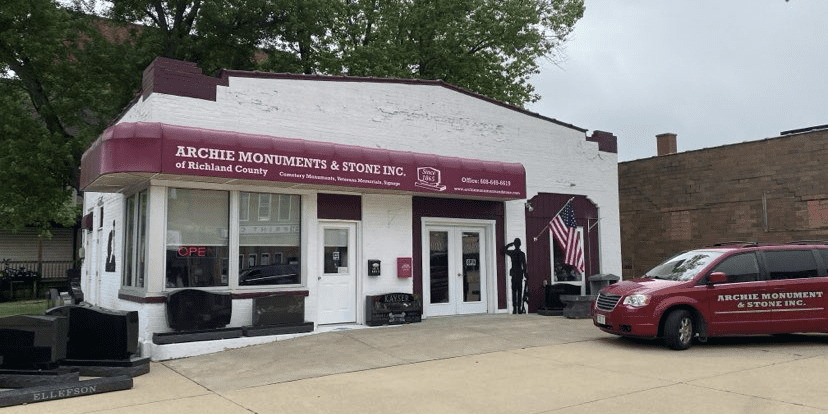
<point>714,72</point>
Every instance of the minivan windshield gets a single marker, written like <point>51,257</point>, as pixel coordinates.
<point>684,266</point>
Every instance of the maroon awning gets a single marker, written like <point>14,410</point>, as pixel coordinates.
<point>129,153</point>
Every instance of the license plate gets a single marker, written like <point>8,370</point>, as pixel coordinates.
<point>601,319</point>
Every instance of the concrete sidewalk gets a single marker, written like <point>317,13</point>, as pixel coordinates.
<point>479,364</point>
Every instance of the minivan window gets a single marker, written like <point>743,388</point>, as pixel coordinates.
<point>684,266</point>
<point>739,268</point>
<point>791,264</point>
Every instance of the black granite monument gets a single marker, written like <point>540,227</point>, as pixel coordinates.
<point>33,341</point>
<point>98,333</point>
<point>393,309</point>
<point>193,309</point>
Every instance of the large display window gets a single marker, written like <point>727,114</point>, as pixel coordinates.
<point>269,239</point>
<point>197,238</point>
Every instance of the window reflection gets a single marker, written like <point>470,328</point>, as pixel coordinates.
<point>269,244</point>
<point>684,266</point>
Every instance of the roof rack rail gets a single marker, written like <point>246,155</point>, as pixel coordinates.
<point>808,242</point>
<point>737,242</point>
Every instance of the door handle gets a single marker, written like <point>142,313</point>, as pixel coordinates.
<point>459,275</point>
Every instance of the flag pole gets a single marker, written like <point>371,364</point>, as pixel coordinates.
<point>553,217</point>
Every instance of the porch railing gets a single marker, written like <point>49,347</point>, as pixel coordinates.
<point>46,269</point>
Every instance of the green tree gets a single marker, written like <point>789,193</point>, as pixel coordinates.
<point>66,72</point>
<point>61,83</point>
<point>214,33</point>
<point>491,47</point>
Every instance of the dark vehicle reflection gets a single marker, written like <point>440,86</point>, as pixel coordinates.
<point>281,274</point>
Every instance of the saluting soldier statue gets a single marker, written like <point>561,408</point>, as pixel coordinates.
<point>517,273</point>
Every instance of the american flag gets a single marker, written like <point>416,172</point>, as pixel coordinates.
<point>565,231</point>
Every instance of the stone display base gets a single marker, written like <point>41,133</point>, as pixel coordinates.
<point>578,306</point>
<point>195,336</point>
<point>277,329</point>
<point>550,312</point>
<point>131,367</point>
<point>23,378</point>
<point>60,391</point>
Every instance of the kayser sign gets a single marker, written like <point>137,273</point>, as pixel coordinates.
<point>194,151</point>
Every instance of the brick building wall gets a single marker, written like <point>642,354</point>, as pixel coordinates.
<point>773,190</point>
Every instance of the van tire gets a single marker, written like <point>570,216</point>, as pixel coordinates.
<point>679,329</point>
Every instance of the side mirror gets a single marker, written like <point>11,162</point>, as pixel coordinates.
<point>717,277</point>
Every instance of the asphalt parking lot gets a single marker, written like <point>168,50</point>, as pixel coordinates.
<point>479,364</point>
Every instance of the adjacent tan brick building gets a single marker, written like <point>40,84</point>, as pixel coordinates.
<point>772,190</point>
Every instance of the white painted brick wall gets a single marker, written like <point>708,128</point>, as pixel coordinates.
<point>386,235</point>
<point>418,118</point>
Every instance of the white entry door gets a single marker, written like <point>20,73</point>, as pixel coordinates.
<point>454,270</point>
<point>338,270</point>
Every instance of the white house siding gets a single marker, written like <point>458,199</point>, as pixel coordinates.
<point>22,246</point>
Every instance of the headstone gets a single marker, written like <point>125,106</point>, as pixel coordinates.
<point>393,309</point>
<point>33,341</point>
<point>578,306</point>
<point>279,310</point>
<point>193,309</point>
<point>54,299</point>
<point>553,306</point>
<point>75,292</point>
<point>98,333</point>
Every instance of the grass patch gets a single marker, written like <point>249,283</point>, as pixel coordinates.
<point>23,307</point>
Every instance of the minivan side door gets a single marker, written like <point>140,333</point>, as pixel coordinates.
<point>796,290</point>
<point>734,306</point>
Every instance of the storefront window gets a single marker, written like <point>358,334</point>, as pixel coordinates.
<point>135,234</point>
<point>197,238</point>
<point>269,240</point>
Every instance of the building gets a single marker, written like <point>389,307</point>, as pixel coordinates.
<point>770,190</point>
<point>276,184</point>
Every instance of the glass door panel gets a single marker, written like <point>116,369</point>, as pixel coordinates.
<point>471,267</point>
<point>438,254</point>
<point>454,280</point>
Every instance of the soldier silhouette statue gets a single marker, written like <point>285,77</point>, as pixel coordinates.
<point>517,273</point>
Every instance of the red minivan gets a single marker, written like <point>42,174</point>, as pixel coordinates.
<point>728,290</point>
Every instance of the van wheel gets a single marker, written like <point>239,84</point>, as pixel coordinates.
<point>678,329</point>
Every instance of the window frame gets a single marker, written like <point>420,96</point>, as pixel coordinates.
<point>237,259</point>
<point>134,245</point>
<point>276,255</point>
<point>761,275</point>
<point>267,205</point>
<point>766,264</point>
<point>230,206</point>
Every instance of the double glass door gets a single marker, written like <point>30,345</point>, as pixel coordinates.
<point>454,275</point>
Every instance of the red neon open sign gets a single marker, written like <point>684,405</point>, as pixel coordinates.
<point>196,251</point>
